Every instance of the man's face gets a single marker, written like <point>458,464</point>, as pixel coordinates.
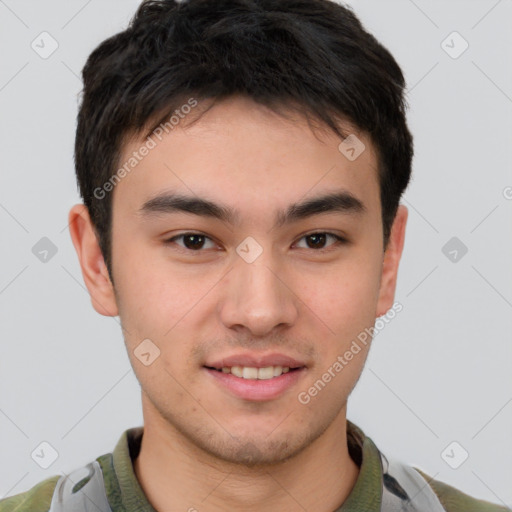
<point>255,290</point>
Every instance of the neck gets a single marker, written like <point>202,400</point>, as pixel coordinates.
<point>175,474</point>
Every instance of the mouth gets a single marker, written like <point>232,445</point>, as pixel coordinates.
<point>255,373</point>
<point>255,378</point>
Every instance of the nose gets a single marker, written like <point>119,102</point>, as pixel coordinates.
<point>257,298</point>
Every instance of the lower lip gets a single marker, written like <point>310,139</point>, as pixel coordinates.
<point>257,389</point>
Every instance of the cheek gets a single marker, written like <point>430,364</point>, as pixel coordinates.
<point>344,298</point>
<point>162,304</point>
<point>151,292</point>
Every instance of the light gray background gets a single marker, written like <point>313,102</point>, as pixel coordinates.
<point>439,372</point>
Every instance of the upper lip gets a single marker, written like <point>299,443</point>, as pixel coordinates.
<point>256,361</point>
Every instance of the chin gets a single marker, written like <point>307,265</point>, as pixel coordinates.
<point>254,449</point>
<point>254,453</point>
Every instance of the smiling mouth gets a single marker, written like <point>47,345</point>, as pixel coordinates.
<point>253,373</point>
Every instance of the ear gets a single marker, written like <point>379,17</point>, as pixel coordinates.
<point>93,266</point>
<point>391,260</point>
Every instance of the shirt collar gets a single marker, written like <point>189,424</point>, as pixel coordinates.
<point>126,495</point>
<point>366,495</point>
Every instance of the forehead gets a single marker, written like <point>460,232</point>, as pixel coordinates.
<point>247,156</point>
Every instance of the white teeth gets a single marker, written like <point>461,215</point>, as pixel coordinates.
<point>252,373</point>
<point>266,373</point>
<point>249,373</point>
<point>237,371</point>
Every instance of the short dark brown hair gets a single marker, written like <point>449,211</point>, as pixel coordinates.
<point>309,56</point>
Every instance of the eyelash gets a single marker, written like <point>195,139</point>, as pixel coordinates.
<point>339,240</point>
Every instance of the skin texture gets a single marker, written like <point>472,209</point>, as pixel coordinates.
<point>203,447</point>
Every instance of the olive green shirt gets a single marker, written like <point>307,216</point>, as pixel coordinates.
<point>379,487</point>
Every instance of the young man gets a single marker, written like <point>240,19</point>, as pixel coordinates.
<point>241,164</point>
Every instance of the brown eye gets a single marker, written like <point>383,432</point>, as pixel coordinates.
<point>318,240</point>
<point>191,241</point>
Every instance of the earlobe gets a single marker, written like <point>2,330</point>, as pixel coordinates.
<point>91,260</point>
<point>391,261</point>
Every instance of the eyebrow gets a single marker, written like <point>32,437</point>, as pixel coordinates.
<point>166,203</point>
